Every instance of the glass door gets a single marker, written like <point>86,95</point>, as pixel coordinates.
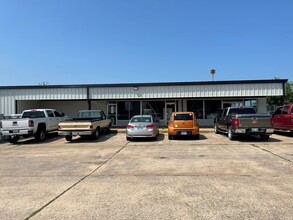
<point>112,113</point>
<point>170,107</point>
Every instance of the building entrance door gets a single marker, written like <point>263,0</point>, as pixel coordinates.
<point>112,113</point>
<point>170,107</point>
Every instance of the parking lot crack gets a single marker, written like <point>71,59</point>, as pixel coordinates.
<point>75,184</point>
<point>268,151</point>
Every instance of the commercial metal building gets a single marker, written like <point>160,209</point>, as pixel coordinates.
<point>122,101</point>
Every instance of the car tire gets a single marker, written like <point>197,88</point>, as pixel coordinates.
<point>13,139</point>
<point>128,138</point>
<point>216,129</point>
<point>68,137</point>
<point>231,134</point>
<point>108,129</point>
<point>264,137</point>
<point>170,137</point>
<point>95,134</point>
<point>40,135</point>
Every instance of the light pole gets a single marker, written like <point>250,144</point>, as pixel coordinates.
<point>213,72</point>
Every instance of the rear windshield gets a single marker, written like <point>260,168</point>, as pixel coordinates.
<point>141,119</point>
<point>234,111</point>
<point>183,117</point>
<point>90,114</point>
<point>33,114</point>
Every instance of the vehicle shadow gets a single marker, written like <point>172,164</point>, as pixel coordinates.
<point>251,138</point>
<point>286,134</point>
<point>188,138</point>
<point>51,137</point>
<point>102,138</point>
<point>160,137</point>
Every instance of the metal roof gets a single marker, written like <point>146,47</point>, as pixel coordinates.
<point>148,84</point>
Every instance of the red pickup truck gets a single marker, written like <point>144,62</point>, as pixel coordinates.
<point>282,119</point>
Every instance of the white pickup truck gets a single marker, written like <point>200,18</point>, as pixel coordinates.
<point>88,123</point>
<point>33,122</point>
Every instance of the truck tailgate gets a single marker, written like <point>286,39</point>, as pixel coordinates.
<point>254,121</point>
<point>10,124</point>
<point>75,125</point>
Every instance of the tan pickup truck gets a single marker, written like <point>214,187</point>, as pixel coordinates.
<point>88,123</point>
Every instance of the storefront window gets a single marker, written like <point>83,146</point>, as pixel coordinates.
<point>195,106</point>
<point>128,109</point>
<point>155,108</point>
<point>251,103</point>
<point>212,108</point>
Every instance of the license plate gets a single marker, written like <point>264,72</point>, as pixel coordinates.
<point>15,131</point>
<point>139,128</point>
<point>183,132</point>
<point>254,129</point>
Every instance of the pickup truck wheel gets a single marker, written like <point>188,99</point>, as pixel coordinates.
<point>231,134</point>
<point>40,135</point>
<point>264,137</point>
<point>108,130</point>
<point>68,137</point>
<point>216,129</point>
<point>13,139</point>
<point>96,134</point>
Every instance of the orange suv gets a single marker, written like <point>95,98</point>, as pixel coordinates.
<point>183,124</point>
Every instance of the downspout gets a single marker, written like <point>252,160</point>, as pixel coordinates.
<point>16,107</point>
<point>284,93</point>
<point>88,98</point>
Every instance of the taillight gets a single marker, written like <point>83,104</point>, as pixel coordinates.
<point>130,126</point>
<point>235,122</point>
<point>91,127</point>
<point>151,126</point>
<point>31,123</point>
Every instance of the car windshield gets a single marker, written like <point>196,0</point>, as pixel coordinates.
<point>141,119</point>
<point>183,117</point>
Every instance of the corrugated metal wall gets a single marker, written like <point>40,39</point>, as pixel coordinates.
<point>50,94</point>
<point>191,91</point>
<point>8,97</point>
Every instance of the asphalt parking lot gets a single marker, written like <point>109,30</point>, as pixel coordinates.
<point>111,178</point>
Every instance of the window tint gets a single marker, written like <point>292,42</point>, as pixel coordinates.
<point>50,114</point>
<point>285,110</point>
<point>57,114</point>
<point>141,119</point>
<point>278,111</point>
<point>234,111</point>
<point>89,114</point>
<point>33,114</point>
<point>183,117</point>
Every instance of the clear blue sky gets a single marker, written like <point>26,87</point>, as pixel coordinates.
<point>125,41</point>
